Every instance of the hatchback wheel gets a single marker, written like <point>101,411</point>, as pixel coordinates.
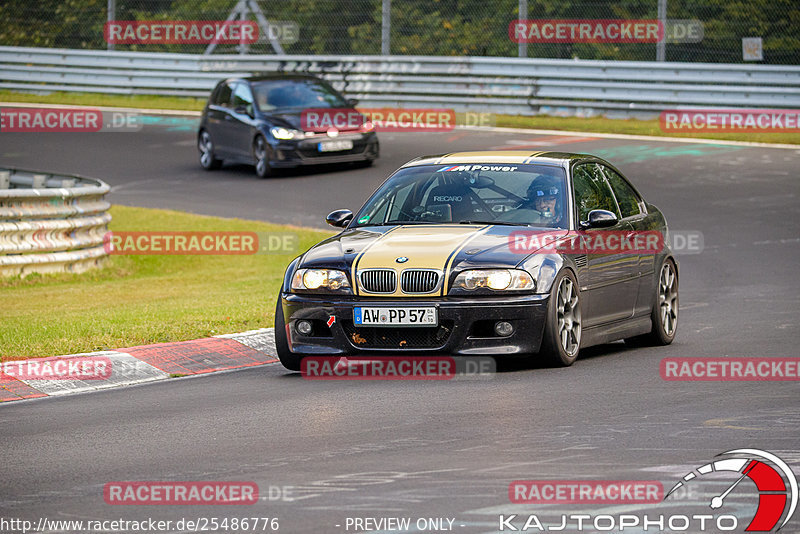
<point>206,147</point>
<point>261,155</point>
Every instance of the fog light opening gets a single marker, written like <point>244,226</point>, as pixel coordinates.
<point>304,327</point>
<point>503,328</point>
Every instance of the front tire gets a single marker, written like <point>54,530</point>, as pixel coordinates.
<point>206,147</point>
<point>261,155</point>
<point>561,340</point>
<point>288,359</point>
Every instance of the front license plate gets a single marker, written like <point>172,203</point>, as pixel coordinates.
<point>395,316</point>
<point>335,146</point>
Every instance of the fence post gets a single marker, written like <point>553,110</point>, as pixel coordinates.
<point>112,15</point>
<point>661,46</point>
<point>522,50</point>
<point>386,26</point>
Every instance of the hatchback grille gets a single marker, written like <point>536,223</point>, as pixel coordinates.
<point>419,281</point>
<point>378,280</point>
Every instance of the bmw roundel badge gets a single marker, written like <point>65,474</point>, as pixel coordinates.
<point>401,259</point>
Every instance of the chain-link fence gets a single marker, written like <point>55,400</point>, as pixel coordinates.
<point>758,31</point>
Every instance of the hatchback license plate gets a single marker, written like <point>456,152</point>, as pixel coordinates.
<point>335,146</point>
<point>395,316</point>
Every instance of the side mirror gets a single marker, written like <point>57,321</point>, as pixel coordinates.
<point>242,110</point>
<point>600,219</point>
<point>339,218</point>
<point>352,102</point>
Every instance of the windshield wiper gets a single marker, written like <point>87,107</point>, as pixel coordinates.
<point>504,223</point>
<point>397,223</point>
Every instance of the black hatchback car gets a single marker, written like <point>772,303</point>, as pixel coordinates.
<point>257,121</point>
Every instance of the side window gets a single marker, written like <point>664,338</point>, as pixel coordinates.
<point>242,96</point>
<point>223,96</point>
<point>399,202</point>
<point>592,191</point>
<point>626,196</point>
<point>391,208</point>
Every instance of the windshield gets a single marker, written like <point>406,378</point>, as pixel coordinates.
<point>276,94</point>
<point>475,193</point>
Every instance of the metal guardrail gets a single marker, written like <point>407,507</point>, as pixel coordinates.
<point>51,223</point>
<point>500,85</point>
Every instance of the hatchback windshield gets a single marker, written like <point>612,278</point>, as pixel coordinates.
<point>276,94</point>
<point>493,193</point>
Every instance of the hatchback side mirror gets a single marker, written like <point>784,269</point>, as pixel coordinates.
<point>352,102</point>
<point>339,218</point>
<point>600,219</point>
<point>243,110</point>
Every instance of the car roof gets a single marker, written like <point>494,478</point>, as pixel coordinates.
<point>498,156</point>
<point>267,76</point>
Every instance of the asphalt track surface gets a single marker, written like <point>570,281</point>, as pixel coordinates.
<point>357,449</point>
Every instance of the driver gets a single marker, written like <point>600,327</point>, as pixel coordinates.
<point>544,196</point>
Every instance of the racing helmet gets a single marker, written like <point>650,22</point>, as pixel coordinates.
<point>547,186</point>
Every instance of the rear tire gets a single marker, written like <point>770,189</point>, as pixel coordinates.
<point>665,307</point>
<point>664,314</point>
<point>288,359</point>
<point>562,333</point>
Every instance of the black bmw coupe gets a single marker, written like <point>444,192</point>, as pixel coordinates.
<point>506,254</point>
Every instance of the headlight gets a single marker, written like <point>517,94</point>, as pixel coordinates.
<point>325,279</point>
<point>496,279</point>
<point>279,132</point>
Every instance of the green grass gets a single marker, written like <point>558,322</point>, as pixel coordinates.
<point>540,122</point>
<point>100,99</point>
<point>138,300</point>
<point>633,127</point>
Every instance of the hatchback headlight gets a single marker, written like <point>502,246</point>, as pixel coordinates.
<point>321,279</point>
<point>495,279</point>
<point>279,132</point>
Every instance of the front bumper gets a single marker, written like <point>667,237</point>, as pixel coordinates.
<point>305,152</point>
<point>465,326</point>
